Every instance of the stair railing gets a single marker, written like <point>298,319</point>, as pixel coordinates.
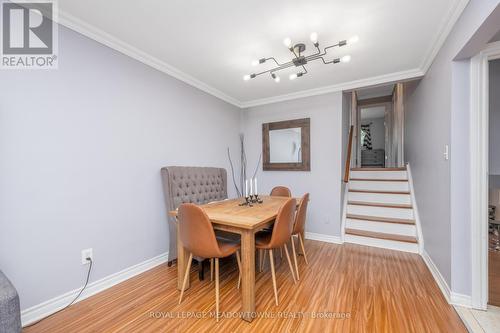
<point>348,157</point>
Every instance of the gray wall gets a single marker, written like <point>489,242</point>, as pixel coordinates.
<point>81,150</point>
<point>436,114</point>
<point>324,180</point>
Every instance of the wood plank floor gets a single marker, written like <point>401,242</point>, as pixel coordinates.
<point>345,288</point>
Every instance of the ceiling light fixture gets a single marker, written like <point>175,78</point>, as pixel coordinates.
<point>300,60</point>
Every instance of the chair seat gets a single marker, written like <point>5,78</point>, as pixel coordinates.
<point>227,248</point>
<point>262,239</point>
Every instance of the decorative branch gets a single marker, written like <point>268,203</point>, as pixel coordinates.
<point>257,166</point>
<point>232,173</point>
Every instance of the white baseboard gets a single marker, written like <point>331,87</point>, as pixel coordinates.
<point>441,282</point>
<point>461,300</point>
<point>324,238</point>
<point>46,308</point>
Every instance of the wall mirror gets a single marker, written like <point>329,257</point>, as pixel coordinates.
<point>286,145</point>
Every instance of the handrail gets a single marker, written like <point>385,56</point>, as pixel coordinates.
<point>348,158</point>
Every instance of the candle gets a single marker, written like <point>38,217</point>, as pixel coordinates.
<point>246,188</point>
<point>255,187</point>
<point>251,186</point>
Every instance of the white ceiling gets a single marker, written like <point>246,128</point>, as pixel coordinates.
<point>210,44</point>
<point>373,112</point>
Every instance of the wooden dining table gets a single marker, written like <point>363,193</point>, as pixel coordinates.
<point>228,215</point>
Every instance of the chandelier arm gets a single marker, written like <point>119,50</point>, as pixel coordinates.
<point>277,63</point>
<point>275,69</point>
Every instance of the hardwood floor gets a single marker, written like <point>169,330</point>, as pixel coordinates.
<point>494,276</point>
<point>345,288</point>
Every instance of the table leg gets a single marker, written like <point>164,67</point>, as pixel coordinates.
<point>182,261</point>
<point>248,274</point>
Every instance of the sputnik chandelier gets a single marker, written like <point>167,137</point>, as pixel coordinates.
<point>299,59</point>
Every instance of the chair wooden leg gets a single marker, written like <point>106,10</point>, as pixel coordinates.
<point>186,275</point>
<point>238,259</point>
<point>211,269</point>
<point>217,289</point>
<point>301,241</point>
<point>295,257</point>
<point>263,260</point>
<point>289,263</point>
<point>271,260</point>
<point>281,253</point>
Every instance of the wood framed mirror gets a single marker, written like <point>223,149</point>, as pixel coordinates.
<point>286,145</point>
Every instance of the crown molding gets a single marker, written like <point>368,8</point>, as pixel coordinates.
<point>443,32</point>
<point>102,37</point>
<point>371,81</point>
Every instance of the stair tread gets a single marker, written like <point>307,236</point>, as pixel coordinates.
<point>380,219</point>
<point>378,204</point>
<point>379,169</point>
<point>378,180</point>
<point>379,192</point>
<point>381,235</point>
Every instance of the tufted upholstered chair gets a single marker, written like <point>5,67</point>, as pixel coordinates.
<point>198,185</point>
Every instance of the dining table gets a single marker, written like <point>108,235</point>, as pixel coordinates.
<point>231,216</point>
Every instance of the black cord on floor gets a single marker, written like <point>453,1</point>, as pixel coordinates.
<point>73,301</point>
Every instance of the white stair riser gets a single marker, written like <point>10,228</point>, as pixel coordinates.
<point>380,198</point>
<point>400,213</point>
<point>379,174</point>
<point>383,243</point>
<point>378,186</point>
<point>388,228</point>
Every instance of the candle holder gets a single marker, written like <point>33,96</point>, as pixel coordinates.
<point>248,202</point>
<point>255,199</point>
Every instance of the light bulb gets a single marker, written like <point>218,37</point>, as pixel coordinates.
<point>345,58</point>
<point>293,76</point>
<point>353,39</point>
<point>288,42</point>
<point>246,77</point>
<point>314,37</point>
<point>255,62</point>
<point>277,79</point>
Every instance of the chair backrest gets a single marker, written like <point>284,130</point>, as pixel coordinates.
<point>300,217</point>
<point>196,231</point>
<point>281,191</point>
<point>283,225</point>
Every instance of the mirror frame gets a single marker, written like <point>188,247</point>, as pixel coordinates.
<point>305,126</point>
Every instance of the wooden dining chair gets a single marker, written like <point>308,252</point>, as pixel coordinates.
<point>198,238</point>
<point>282,231</point>
<point>298,230</point>
<point>281,191</point>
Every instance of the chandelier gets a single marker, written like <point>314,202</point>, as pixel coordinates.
<point>299,59</point>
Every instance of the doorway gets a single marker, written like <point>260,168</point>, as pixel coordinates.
<point>378,121</point>
<point>373,136</point>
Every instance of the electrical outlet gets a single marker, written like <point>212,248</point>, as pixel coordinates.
<point>87,253</point>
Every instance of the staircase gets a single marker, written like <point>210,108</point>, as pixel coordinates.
<point>379,209</point>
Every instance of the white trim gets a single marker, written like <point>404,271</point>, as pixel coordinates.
<point>441,282</point>
<point>443,32</point>
<point>344,212</point>
<point>479,173</point>
<point>102,37</point>
<point>371,81</point>
<point>420,235</point>
<point>323,238</point>
<point>461,299</point>
<point>46,308</point>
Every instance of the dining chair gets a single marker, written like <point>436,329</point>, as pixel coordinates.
<point>281,191</point>
<point>298,230</point>
<point>282,231</point>
<point>198,238</point>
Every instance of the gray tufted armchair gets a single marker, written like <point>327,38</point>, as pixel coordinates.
<point>199,185</point>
